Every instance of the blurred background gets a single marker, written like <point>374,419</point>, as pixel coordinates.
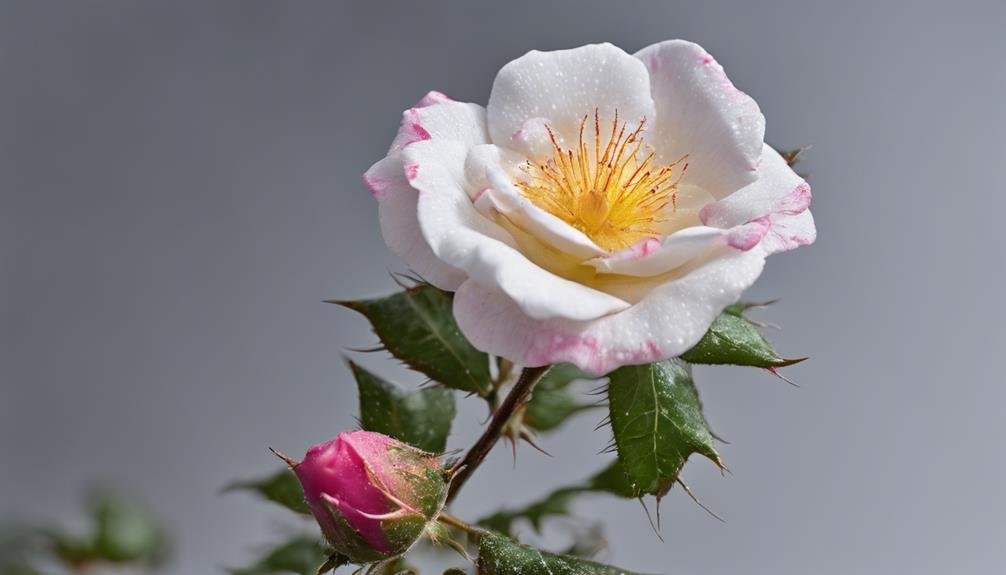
<point>180,189</point>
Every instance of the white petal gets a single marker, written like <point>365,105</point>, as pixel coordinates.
<point>488,168</point>
<point>463,238</point>
<point>700,113</point>
<point>774,210</point>
<point>400,227</point>
<point>559,88</point>
<point>435,116</point>
<point>666,323</point>
<point>654,256</point>
<point>777,188</point>
<point>789,232</point>
<point>448,119</point>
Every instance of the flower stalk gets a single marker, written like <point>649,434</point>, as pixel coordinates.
<point>518,396</point>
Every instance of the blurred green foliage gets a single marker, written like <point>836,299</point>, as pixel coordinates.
<point>119,533</point>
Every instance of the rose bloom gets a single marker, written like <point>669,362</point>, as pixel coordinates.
<point>602,210</point>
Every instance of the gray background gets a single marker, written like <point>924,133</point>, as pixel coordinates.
<point>181,188</point>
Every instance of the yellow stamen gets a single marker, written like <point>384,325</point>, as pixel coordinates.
<point>616,196</point>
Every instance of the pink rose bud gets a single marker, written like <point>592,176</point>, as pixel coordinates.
<point>372,495</point>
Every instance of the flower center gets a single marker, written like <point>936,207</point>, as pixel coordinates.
<point>614,194</point>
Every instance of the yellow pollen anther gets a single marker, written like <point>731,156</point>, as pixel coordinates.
<point>615,194</point>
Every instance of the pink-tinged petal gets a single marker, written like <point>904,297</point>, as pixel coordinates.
<point>789,232</point>
<point>489,170</point>
<point>700,113</point>
<point>451,120</point>
<point>400,227</point>
<point>433,97</point>
<point>653,256</point>
<point>462,237</point>
<point>773,211</point>
<point>559,88</point>
<point>666,323</point>
<point>776,189</point>
<point>746,236</point>
<point>335,467</point>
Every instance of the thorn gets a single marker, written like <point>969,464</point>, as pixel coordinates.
<point>697,502</point>
<point>718,438</point>
<point>793,156</point>
<point>513,449</point>
<point>399,279</point>
<point>378,347</point>
<point>765,324</point>
<point>783,362</point>
<point>776,373</point>
<point>415,277</point>
<point>763,304</point>
<point>656,530</point>
<point>529,437</point>
<point>659,499</point>
<point>452,453</point>
<point>723,466</point>
<point>291,463</point>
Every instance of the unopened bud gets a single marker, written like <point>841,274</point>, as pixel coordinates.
<point>372,495</point>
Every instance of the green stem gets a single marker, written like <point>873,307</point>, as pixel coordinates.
<point>453,521</point>
<point>517,397</point>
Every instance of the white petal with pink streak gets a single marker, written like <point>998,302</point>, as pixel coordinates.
<point>653,256</point>
<point>774,209</point>
<point>400,227</point>
<point>666,323</point>
<point>450,120</point>
<point>777,188</point>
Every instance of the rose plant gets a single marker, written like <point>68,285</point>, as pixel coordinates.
<point>599,219</point>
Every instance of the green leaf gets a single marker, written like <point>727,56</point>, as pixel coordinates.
<point>611,479</point>
<point>72,549</point>
<point>555,503</point>
<point>417,326</point>
<point>20,547</point>
<point>281,487</point>
<point>421,418</point>
<point>552,403</point>
<point>733,339</point>
<point>301,554</point>
<point>124,532</point>
<point>498,555</point>
<point>614,480</point>
<point>587,542</point>
<point>396,566</point>
<point>657,420</point>
<point>17,568</point>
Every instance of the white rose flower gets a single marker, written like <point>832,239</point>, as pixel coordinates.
<point>602,210</point>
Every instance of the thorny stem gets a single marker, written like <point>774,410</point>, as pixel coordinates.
<point>517,397</point>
